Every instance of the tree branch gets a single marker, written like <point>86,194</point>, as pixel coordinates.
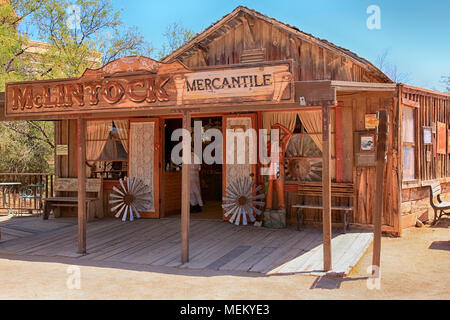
<point>15,128</point>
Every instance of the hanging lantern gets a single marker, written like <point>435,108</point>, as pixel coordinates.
<point>132,196</point>
<point>242,201</point>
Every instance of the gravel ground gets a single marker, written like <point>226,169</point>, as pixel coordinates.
<point>413,267</point>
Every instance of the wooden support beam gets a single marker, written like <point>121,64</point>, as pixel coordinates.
<point>185,192</point>
<point>326,187</point>
<point>81,132</point>
<point>249,42</point>
<point>379,195</point>
<point>339,145</point>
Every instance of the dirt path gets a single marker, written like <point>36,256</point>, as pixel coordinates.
<point>413,267</point>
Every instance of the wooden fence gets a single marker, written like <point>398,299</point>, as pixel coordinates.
<point>34,186</point>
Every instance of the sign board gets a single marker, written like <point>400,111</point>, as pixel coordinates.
<point>235,83</point>
<point>371,121</point>
<point>62,150</point>
<point>134,83</point>
<point>365,160</point>
<point>441,138</point>
<point>427,136</point>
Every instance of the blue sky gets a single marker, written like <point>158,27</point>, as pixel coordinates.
<point>416,33</point>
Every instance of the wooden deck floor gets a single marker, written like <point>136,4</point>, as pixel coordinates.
<point>214,245</point>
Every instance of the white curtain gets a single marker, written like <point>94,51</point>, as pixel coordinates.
<point>122,128</point>
<point>97,133</point>
<point>286,119</point>
<point>312,121</point>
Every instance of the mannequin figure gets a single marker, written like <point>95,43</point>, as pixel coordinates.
<point>195,194</point>
<point>276,177</point>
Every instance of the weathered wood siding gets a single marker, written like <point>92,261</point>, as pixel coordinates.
<point>66,166</point>
<point>66,134</point>
<point>355,107</point>
<point>171,197</point>
<point>415,195</point>
<point>431,109</point>
<point>312,62</point>
<point>364,177</point>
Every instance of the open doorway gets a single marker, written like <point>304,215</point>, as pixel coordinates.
<point>207,204</point>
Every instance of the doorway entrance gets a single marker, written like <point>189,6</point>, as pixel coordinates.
<point>206,179</point>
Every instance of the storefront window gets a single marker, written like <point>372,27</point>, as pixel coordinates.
<point>408,163</point>
<point>409,143</point>
<point>107,149</point>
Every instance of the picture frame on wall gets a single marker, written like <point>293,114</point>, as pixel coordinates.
<point>441,143</point>
<point>365,147</point>
<point>367,142</point>
<point>427,136</point>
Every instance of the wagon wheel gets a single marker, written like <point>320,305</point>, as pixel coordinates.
<point>129,198</point>
<point>242,201</point>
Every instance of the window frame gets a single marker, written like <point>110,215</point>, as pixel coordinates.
<point>112,160</point>
<point>408,144</point>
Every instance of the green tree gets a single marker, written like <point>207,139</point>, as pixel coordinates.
<point>83,34</point>
<point>26,148</point>
<point>77,35</point>
<point>13,44</point>
<point>74,35</point>
<point>175,36</point>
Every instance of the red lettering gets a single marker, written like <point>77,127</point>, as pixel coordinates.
<point>113,92</point>
<point>22,99</point>
<point>48,102</point>
<point>132,87</point>
<point>61,97</point>
<point>37,99</point>
<point>161,94</point>
<point>93,88</point>
<point>75,91</point>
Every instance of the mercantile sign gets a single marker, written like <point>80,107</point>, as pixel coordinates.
<point>133,82</point>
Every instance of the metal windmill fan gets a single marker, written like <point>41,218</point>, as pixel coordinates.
<point>303,160</point>
<point>132,196</point>
<point>241,200</point>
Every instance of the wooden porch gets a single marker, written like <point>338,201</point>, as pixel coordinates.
<point>214,245</point>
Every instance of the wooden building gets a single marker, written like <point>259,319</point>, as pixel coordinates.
<point>129,108</point>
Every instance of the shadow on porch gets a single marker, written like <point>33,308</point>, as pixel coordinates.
<point>215,246</point>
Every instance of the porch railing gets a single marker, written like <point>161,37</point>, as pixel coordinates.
<point>27,194</point>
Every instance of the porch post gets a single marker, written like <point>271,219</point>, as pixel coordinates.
<point>381,148</point>
<point>326,187</point>
<point>81,169</point>
<point>339,142</point>
<point>185,192</point>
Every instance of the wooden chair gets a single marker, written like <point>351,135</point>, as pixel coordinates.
<point>313,189</point>
<point>94,198</point>
<point>440,206</point>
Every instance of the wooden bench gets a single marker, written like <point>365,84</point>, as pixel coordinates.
<point>314,189</point>
<point>440,206</point>
<point>94,197</point>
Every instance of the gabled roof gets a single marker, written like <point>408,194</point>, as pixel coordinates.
<point>220,27</point>
<point>439,94</point>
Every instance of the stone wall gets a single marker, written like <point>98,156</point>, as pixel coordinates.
<point>416,204</point>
